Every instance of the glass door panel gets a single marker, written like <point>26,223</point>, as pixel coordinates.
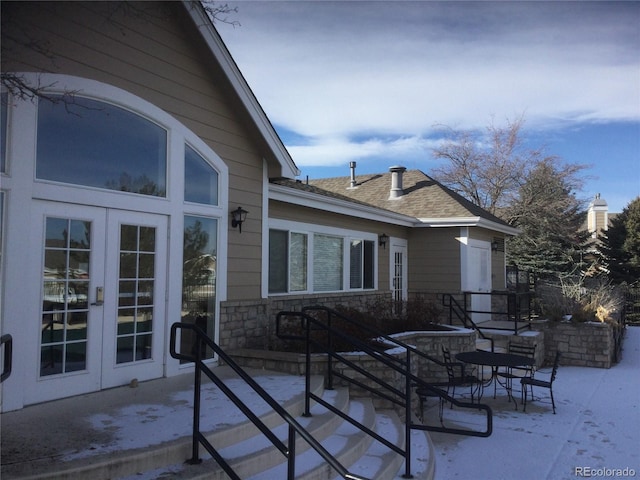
<point>66,277</point>
<point>135,285</point>
<point>135,293</point>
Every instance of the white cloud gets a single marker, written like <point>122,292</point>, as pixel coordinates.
<point>338,151</point>
<point>330,71</point>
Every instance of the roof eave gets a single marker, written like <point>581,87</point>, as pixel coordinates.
<point>469,222</point>
<point>217,47</point>
<point>335,205</point>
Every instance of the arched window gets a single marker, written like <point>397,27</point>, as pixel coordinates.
<point>200,179</point>
<point>96,144</point>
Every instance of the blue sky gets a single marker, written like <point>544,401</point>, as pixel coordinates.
<point>371,81</point>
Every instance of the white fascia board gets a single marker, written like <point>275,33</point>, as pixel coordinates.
<point>468,222</point>
<point>336,205</point>
<point>203,23</point>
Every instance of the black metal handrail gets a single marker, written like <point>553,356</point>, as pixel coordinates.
<point>383,389</point>
<point>513,313</point>
<point>6,340</point>
<point>448,300</point>
<point>288,449</point>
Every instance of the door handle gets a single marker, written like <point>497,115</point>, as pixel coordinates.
<point>99,297</point>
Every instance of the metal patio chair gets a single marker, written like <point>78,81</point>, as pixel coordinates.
<point>511,373</point>
<point>458,377</point>
<point>534,382</point>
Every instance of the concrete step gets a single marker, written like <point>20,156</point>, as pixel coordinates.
<point>92,462</point>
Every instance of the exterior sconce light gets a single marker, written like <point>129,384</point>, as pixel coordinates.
<point>494,246</point>
<point>382,240</point>
<point>238,216</point>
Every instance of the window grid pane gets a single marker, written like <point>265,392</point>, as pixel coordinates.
<point>327,263</point>
<point>355,264</point>
<point>64,315</point>
<point>278,261</point>
<point>135,294</point>
<point>298,263</point>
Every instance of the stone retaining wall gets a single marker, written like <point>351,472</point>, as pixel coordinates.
<point>589,344</point>
<point>251,323</point>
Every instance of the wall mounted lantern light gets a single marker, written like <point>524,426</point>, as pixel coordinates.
<point>238,216</point>
<point>382,240</point>
<point>494,246</point>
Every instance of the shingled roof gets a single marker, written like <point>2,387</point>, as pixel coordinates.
<point>422,197</point>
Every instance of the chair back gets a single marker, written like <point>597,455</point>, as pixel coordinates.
<point>446,355</point>
<point>556,363</point>
<point>520,349</point>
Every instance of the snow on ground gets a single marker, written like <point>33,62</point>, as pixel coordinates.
<point>144,425</point>
<point>595,433</point>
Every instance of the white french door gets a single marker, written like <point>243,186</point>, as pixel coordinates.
<point>134,298</point>
<point>398,268</point>
<point>101,280</point>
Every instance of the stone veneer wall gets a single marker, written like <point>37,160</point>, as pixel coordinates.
<point>589,344</point>
<point>251,323</point>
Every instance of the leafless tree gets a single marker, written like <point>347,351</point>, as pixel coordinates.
<point>486,167</point>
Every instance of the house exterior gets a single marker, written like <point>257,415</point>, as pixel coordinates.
<point>119,181</point>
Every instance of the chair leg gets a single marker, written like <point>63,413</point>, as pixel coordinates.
<point>553,403</point>
<point>524,395</point>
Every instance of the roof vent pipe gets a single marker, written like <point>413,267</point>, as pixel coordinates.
<point>352,166</point>
<point>396,182</point>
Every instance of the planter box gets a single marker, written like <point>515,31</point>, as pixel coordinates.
<point>589,344</point>
<point>430,342</point>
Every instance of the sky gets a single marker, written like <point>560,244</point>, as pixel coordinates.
<point>375,82</point>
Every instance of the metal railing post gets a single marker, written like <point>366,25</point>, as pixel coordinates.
<point>291,460</point>
<point>407,419</point>
<point>329,352</point>
<point>197,385</point>
<point>307,380</point>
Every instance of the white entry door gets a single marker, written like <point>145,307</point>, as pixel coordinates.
<point>398,268</point>
<point>101,278</point>
<point>479,279</point>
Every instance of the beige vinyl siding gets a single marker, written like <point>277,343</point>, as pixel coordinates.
<point>434,260</point>
<point>154,51</point>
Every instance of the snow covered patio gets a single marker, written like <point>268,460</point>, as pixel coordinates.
<point>596,431</point>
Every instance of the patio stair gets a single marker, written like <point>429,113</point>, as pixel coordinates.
<point>253,457</point>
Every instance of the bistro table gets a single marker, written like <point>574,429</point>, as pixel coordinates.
<point>495,360</point>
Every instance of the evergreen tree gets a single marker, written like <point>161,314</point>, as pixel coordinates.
<point>550,218</point>
<point>621,244</point>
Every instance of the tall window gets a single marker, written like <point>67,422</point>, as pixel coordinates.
<point>199,278</point>
<point>327,263</point>
<point>361,262</point>
<point>96,144</point>
<point>287,261</point>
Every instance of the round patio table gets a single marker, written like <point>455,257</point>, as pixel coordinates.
<point>496,360</point>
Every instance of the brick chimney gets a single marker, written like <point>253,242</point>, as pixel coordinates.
<point>396,182</point>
